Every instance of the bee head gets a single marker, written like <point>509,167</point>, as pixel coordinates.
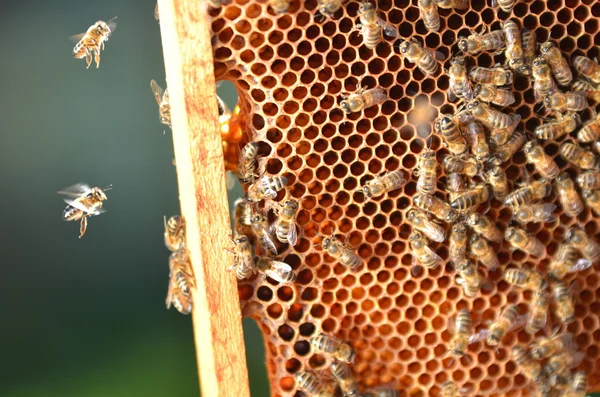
<point>292,204</point>
<point>457,60</point>
<point>404,47</point>
<point>473,105</point>
<point>345,107</point>
<point>548,101</point>
<point>474,238</point>
<point>240,239</point>
<point>477,89</point>
<point>365,6</point>
<point>411,215</point>
<point>510,232</point>
<point>452,215</point>
<point>539,61</point>
<point>367,191</point>
<point>97,193</point>
<point>459,228</point>
<point>547,46</point>
<point>573,236</point>
<point>463,44</point>
<point>414,236</point>
<point>326,242</point>
<point>529,146</point>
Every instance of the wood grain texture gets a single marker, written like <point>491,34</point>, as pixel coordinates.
<point>217,323</point>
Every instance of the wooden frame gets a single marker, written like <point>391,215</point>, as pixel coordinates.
<point>220,350</point>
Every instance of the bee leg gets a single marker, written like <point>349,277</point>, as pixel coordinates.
<point>88,58</point>
<point>97,57</point>
<point>83,226</point>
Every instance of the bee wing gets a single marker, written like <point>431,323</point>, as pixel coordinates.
<point>580,265</point>
<point>451,325</point>
<point>518,323</point>
<point>247,261</point>
<point>434,231</point>
<point>478,336</point>
<point>431,252</point>
<point>76,38</point>
<point>267,241</point>
<point>75,190</point>
<point>451,95</point>
<point>81,207</point>
<point>157,91</point>
<point>278,268</point>
<point>468,93</point>
<point>568,342</point>
<point>494,3</point>
<point>270,193</point>
<point>543,320</point>
<point>292,235</point>
<point>388,28</point>
<point>437,55</point>
<point>545,211</point>
<point>230,179</point>
<point>577,358</point>
<point>112,24</point>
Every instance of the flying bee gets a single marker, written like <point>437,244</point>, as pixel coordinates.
<point>590,90</point>
<point>181,282</point>
<point>174,232</point>
<point>279,6</point>
<point>590,131</point>
<point>481,250</point>
<point>440,209</point>
<point>588,247</point>
<point>285,227</point>
<point>362,99</point>
<point>562,362</point>
<point>564,124</point>
<point>543,84</point>
<point>592,199</point>
<point>494,119</point>
<point>446,127</point>
<point>535,213</point>
<point>333,347</point>
<point>525,278</point>
<point>311,385</point>
<point>544,347</point>
<point>587,68</point>
<point>371,26</point>
<point>589,180</point>
<point>558,64</point>
<point>538,311</point>
<point>329,7</point>
<point>497,179</point>
<point>510,147</point>
<point>343,375</point>
<point>567,101</point>
<point>564,307</point>
<point>424,58</point>
<point>519,239</point>
<point>579,384</point>
<point>491,94</point>
<point>422,223</point>
<point>461,331</point>
<point>568,196</point>
<point>429,14</point>
<point>449,389</point>
<point>455,185</point>
<point>458,243</point>
<point>514,47</point>
<point>266,188</point>
<point>468,167</point>
<point>243,262</point>
<point>162,98</point>
<point>91,42</point>
<point>497,76</point>
<point>265,240</point>
<point>543,163</point>
<point>242,215</point>
<point>468,277</point>
<point>479,146</point>
<point>535,190</point>
<point>460,85</point>
<point>471,198</point>
<point>278,271</point>
<point>344,255</point>
<point>383,184</point>
<point>531,368</point>
<point>482,225</point>
<point>247,163</point>
<point>508,321</point>
<point>422,254</point>
<point>478,42</point>
<point>83,202</point>
<point>427,172</point>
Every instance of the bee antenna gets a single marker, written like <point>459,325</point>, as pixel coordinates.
<point>165,220</point>
<point>109,187</point>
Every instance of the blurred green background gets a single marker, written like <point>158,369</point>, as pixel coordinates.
<point>87,317</point>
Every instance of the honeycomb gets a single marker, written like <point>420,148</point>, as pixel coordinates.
<point>290,71</point>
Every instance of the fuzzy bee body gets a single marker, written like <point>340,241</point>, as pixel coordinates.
<point>478,42</point>
<point>363,99</point>
<point>564,124</point>
<point>344,255</point>
<point>587,68</point>
<point>471,199</point>
<point>525,278</point>
<point>589,180</point>
<point>535,190</point>
<point>491,94</point>
<point>91,42</point>
<point>447,128</point>
<point>384,184</point>
<point>543,163</point>
<point>497,76</point>
<point>333,347</point>
<point>481,250</point>
<point>266,188</point>
<point>531,368</point>
<point>519,239</point>
<point>564,308</point>
<point>568,196</point>
<point>514,46</point>
<point>590,131</point>
<point>424,58</point>
<point>568,101</point>
<point>247,162</point>
<point>427,172</point>
<point>558,64</point>
<point>430,15</point>
<point>499,183</point>
<point>538,311</point>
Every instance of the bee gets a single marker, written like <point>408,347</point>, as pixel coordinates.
<point>343,375</point>
<point>589,248</point>
<point>383,184</point>
<point>508,321</point>
<point>446,127</point>
<point>468,167</point>
<point>587,68</point>
<point>162,98</point>
<point>285,227</point>
<point>510,147</point>
<point>424,58</point>
<point>156,15</point>
<point>469,278</point>
<point>215,3</point>
<point>456,4</point>
<point>562,362</point>
<point>333,347</point>
<point>543,84</point>
<point>538,311</point>
<point>568,101</point>
<point>461,330</point>
<point>344,255</point>
<point>311,386</point>
<point>566,260</point>
<point>590,131</point>
<point>440,209</point>
<point>243,263</point>
<point>449,389</point>
<point>497,76</point>
<point>564,124</point>
<point>489,93</point>
<point>458,243</point>
<point>482,225</point>
<point>279,6</point>
<point>494,119</point>
<point>519,239</point>
<point>430,15</point>
<point>422,223</point>
<point>481,250</point>
<point>589,180</point>
<point>471,198</point>
<point>427,172</point>
<point>362,99</point>
<point>535,213</point>
<point>525,278</point>
<point>592,199</point>
<point>479,146</point>
<point>181,282</point>
<point>247,163</point>
<point>91,42</point>
<point>543,163</point>
<point>497,179</point>
<point>478,42</point>
<point>83,202</point>
<point>590,90</point>
<point>529,40</point>
<point>266,188</point>
<point>460,86</point>
<point>329,7</point>
<point>535,190</point>
<point>579,384</point>
<point>242,215</point>
<point>559,383</point>
<point>558,64</point>
<point>278,271</point>
<point>455,185</point>
<point>371,26</point>
<point>265,239</point>
<point>544,347</point>
<point>422,254</point>
<point>564,308</point>
<point>531,368</point>
<point>568,196</point>
<point>174,232</point>
<point>514,47</point>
